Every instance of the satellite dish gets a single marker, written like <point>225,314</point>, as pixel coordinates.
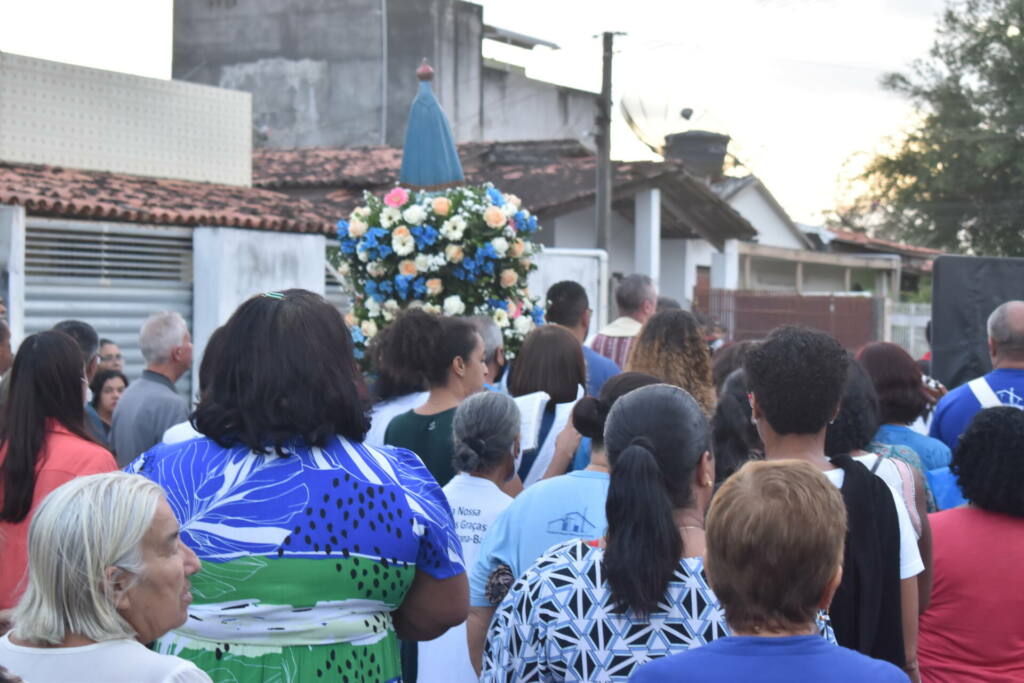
<point>652,118</point>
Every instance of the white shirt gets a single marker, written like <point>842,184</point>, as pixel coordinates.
<point>183,431</point>
<point>475,504</point>
<point>112,661</point>
<point>382,413</point>
<point>910,555</point>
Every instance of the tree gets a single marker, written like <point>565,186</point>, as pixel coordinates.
<point>956,180</point>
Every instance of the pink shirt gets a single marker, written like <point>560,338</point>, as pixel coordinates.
<point>973,630</point>
<point>64,456</point>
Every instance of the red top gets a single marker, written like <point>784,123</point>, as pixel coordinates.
<point>615,348</point>
<point>64,457</point>
<point>973,630</point>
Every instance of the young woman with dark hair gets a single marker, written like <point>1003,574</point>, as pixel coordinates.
<point>670,346</point>
<point>450,354</point>
<point>43,443</point>
<point>525,530</point>
<point>398,385</point>
<point>316,548</point>
<point>107,387</point>
<point>850,434</point>
<point>796,379</point>
<point>973,630</point>
<point>596,611</point>
<point>903,397</point>
<point>733,433</point>
<point>551,361</point>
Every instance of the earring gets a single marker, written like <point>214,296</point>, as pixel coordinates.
<point>708,482</point>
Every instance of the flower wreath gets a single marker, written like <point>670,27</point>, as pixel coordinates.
<point>459,251</point>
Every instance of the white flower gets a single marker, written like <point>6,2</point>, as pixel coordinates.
<point>437,262</point>
<point>372,308</point>
<point>453,305</point>
<point>432,308</point>
<point>524,325</point>
<point>403,243</point>
<point>360,213</point>
<point>389,216</point>
<point>414,215</point>
<point>390,306</point>
<point>376,269</point>
<point>509,209</point>
<point>500,245</point>
<point>344,269</point>
<point>369,328</point>
<point>501,317</point>
<point>363,256</point>
<point>422,262</point>
<point>453,228</point>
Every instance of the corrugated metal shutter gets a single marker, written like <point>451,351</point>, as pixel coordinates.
<point>112,276</point>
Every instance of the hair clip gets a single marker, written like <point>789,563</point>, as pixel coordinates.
<point>273,295</point>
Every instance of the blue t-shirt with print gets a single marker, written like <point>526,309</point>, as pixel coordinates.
<point>933,453</point>
<point>551,511</point>
<point>768,660</point>
<point>956,409</point>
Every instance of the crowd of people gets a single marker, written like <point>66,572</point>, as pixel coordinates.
<point>640,502</point>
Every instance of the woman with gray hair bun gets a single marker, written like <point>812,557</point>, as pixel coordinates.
<point>485,436</point>
<point>107,573</point>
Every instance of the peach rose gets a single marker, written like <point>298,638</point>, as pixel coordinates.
<point>442,206</point>
<point>508,278</point>
<point>350,320</point>
<point>356,228</point>
<point>494,217</point>
<point>517,248</point>
<point>453,253</point>
<point>525,263</point>
<point>434,286</point>
<point>401,232</point>
<point>408,268</point>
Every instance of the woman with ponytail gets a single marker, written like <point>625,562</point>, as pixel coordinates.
<point>485,438</point>
<point>595,611</point>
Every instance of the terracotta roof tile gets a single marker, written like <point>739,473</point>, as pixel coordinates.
<point>551,177</point>
<point>71,193</point>
<point>866,240</point>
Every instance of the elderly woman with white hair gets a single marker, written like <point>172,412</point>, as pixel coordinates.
<point>107,573</point>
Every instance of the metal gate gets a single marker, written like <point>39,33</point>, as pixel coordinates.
<point>110,275</point>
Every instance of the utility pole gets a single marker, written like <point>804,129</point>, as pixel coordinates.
<point>604,148</point>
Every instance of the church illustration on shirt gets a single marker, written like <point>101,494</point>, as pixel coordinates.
<point>571,524</point>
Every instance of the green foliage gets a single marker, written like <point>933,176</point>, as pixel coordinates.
<point>956,181</point>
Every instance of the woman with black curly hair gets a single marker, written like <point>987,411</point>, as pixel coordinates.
<point>973,630</point>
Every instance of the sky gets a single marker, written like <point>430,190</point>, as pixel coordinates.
<point>795,83</point>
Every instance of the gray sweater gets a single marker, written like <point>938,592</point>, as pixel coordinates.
<point>146,409</point>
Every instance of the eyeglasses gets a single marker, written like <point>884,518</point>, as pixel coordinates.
<point>111,356</point>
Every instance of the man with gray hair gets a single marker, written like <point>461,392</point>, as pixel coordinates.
<point>637,300</point>
<point>494,350</point>
<point>150,405</point>
<point>1003,386</point>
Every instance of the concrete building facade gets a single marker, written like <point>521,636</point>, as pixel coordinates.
<point>341,73</point>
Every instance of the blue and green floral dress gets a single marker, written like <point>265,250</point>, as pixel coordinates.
<point>304,556</point>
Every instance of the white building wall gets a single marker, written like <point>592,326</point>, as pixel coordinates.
<point>673,270</point>
<point>577,230</point>
<point>74,116</point>
<point>771,228</point>
<point>230,265</point>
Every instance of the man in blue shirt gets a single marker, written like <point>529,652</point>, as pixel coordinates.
<point>1003,386</point>
<point>567,305</point>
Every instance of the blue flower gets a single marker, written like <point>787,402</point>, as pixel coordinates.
<point>424,235</point>
<point>357,334</point>
<point>372,288</point>
<point>498,303</point>
<point>419,287</point>
<point>342,228</point>
<point>402,285</point>
<point>488,250</point>
<point>497,198</point>
<point>538,315</point>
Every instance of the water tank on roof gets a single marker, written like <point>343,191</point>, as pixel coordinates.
<point>702,151</point>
